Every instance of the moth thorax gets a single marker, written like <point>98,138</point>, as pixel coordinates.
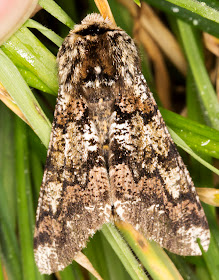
<point>101,112</point>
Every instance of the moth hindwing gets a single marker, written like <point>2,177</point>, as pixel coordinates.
<point>110,149</point>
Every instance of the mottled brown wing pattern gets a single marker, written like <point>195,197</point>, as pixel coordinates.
<point>74,197</point>
<point>110,154</point>
<point>152,187</point>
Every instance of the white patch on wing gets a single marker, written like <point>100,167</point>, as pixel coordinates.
<point>190,236</point>
<point>43,255</point>
<point>123,137</point>
<point>54,191</point>
<point>89,208</point>
<point>172,180</point>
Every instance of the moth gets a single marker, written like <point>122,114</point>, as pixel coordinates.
<point>110,154</point>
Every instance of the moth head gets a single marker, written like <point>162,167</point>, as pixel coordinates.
<point>94,44</point>
<point>94,25</point>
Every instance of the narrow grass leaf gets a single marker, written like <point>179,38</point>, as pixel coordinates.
<point>53,8</point>
<point>179,142</point>
<point>70,272</point>
<point>27,52</point>
<point>25,222</point>
<point>199,137</point>
<point>123,252</point>
<point>192,18</point>
<point>151,255</point>
<point>51,35</point>
<point>114,265</point>
<point>205,89</point>
<point>22,95</point>
<point>200,8</point>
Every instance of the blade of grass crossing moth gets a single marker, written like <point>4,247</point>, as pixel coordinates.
<point>104,259</point>
<point>205,89</point>
<point>114,265</point>
<point>150,254</point>
<point>123,252</point>
<point>24,98</point>
<point>95,253</point>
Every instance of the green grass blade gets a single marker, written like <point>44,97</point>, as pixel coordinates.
<point>69,273</point>
<point>25,220</point>
<point>54,9</point>
<point>197,136</point>
<point>51,35</point>
<point>198,7</point>
<point>7,162</point>
<point>123,252</point>
<point>183,267</point>
<point>9,250</point>
<point>22,95</point>
<point>205,89</point>
<point>194,19</point>
<point>27,52</point>
<point>179,142</point>
<point>203,177</point>
<point>151,255</point>
<point>115,267</point>
<point>104,259</point>
<point>212,255</point>
<point>95,253</point>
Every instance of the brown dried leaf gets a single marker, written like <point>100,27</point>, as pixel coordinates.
<point>9,102</point>
<point>162,79</point>
<point>84,261</point>
<point>105,10</point>
<point>211,43</point>
<point>163,37</point>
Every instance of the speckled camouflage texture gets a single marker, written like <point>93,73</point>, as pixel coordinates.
<point>110,154</point>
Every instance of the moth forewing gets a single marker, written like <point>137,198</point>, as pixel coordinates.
<point>110,154</point>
